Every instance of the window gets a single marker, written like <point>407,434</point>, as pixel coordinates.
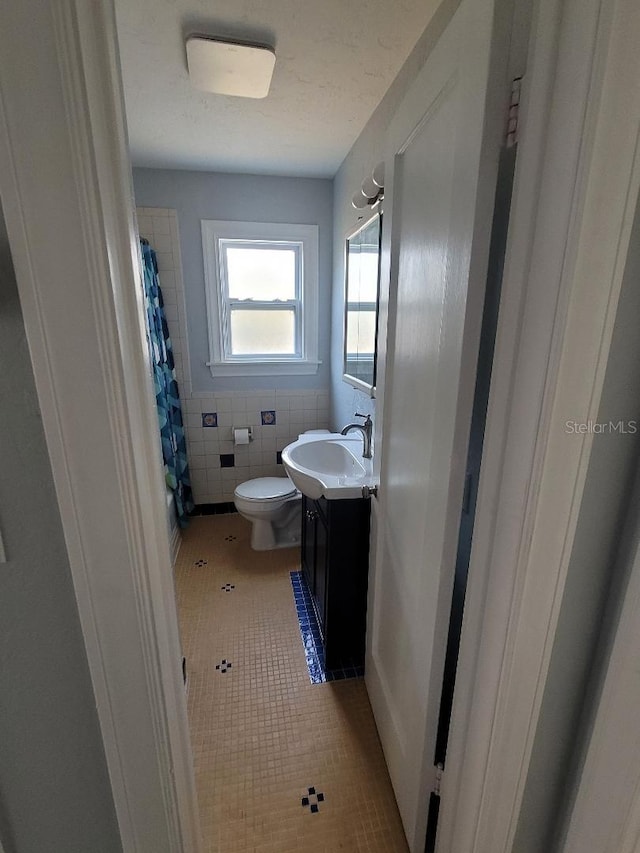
<point>262,297</point>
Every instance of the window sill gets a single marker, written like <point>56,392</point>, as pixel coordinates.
<point>263,368</point>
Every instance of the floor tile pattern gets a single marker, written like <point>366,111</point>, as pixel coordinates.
<point>262,733</point>
<point>312,799</point>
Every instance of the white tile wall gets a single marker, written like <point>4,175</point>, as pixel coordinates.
<point>296,411</point>
<point>160,226</point>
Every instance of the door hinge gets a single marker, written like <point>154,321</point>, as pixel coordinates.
<point>514,112</point>
<point>438,780</point>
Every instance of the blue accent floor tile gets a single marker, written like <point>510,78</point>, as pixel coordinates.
<point>311,637</point>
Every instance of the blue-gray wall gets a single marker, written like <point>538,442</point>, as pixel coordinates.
<point>250,198</point>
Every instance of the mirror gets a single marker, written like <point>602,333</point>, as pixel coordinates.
<point>362,280</point>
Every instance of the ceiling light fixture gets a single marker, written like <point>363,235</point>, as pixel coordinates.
<point>229,67</point>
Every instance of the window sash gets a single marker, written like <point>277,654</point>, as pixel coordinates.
<point>230,304</point>
<point>257,355</point>
<point>273,234</point>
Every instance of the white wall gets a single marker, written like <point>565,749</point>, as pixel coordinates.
<point>54,790</point>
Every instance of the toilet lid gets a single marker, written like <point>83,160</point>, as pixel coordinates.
<point>266,488</point>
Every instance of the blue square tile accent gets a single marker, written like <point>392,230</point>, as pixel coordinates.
<point>312,638</point>
<point>313,649</point>
<point>227,460</point>
<point>209,419</point>
<point>268,418</point>
<point>278,457</point>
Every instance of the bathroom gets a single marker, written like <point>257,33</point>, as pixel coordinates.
<point>171,206</point>
<point>354,762</point>
<point>238,419</point>
<point>241,414</point>
<point>236,428</point>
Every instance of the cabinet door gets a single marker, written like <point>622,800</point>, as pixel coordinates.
<point>322,553</point>
<point>308,548</point>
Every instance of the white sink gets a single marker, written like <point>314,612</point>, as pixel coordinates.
<point>331,466</point>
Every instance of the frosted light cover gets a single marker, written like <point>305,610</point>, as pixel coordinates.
<point>227,68</point>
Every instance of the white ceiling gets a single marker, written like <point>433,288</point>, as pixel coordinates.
<point>335,60</point>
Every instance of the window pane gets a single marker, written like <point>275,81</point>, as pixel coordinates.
<point>260,273</point>
<point>361,332</point>
<point>363,274</point>
<point>263,332</point>
<point>369,252</point>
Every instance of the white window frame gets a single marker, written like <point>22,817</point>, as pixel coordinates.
<point>302,237</point>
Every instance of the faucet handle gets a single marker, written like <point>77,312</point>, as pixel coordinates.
<point>358,415</point>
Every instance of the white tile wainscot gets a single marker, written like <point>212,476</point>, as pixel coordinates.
<point>295,412</point>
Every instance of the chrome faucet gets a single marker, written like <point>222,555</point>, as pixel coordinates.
<point>366,429</point>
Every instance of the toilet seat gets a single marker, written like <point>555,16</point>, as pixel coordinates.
<point>266,489</point>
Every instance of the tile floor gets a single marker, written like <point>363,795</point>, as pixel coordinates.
<point>282,765</point>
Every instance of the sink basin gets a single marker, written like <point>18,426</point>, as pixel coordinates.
<point>331,466</point>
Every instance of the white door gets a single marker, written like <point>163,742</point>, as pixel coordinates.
<point>442,152</point>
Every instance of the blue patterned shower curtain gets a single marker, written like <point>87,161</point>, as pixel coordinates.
<point>174,449</point>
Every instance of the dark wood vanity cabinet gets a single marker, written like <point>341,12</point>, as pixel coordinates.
<point>335,562</point>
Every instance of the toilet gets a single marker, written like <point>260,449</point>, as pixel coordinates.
<point>272,505</point>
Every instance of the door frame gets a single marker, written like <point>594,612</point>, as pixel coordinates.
<point>123,557</point>
<point>578,155</point>
<point>67,196</point>
<point>609,773</point>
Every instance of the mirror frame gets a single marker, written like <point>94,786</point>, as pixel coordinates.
<point>360,384</point>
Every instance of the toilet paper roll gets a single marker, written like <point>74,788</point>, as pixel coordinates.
<point>241,436</point>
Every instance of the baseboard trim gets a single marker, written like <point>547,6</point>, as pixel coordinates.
<point>213,509</point>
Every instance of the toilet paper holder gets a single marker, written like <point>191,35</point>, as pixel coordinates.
<point>242,434</point>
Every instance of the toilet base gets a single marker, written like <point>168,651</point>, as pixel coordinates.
<point>273,505</point>
<point>267,537</point>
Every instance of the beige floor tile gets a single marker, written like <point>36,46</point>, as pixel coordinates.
<point>262,734</point>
